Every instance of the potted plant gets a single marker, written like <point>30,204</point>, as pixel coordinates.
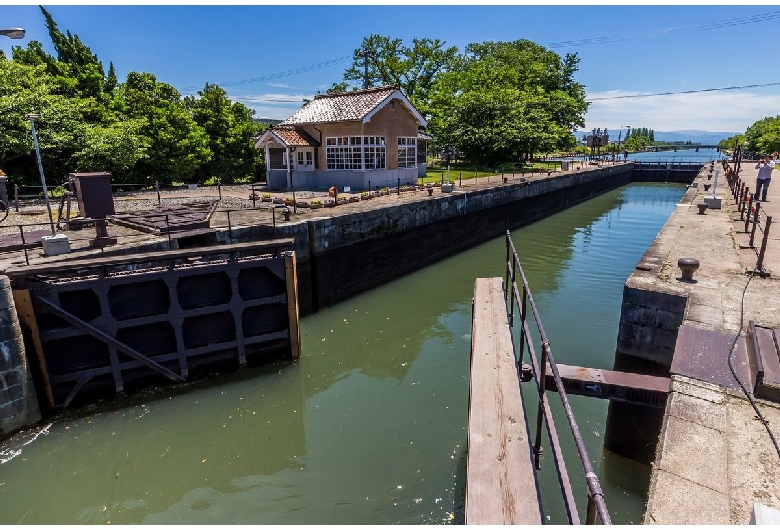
<point>266,197</point>
<point>365,195</point>
<point>288,201</point>
<point>342,199</point>
<point>301,204</point>
<point>315,204</point>
<point>330,203</point>
<point>384,191</point>
<point>277,200</point>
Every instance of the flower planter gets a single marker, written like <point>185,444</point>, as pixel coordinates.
<point>288,202</point>
<point>277,200</point>
<point>330,203</point>
<point>315,205</point>
<point>302,204</point>
<point>354,199</point>
<point>384,192</point>
<point>266,199</point>
<point>365,197</point>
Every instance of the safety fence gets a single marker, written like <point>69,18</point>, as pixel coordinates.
<point>750,213</point>
<point>538,371</point>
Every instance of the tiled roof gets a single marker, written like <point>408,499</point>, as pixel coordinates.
<point>294,137</point>
<point>346,106</point>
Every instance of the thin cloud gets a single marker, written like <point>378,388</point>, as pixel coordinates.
<point>708,111</point>
<point>273,99</point>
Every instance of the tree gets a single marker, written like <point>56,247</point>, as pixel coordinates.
<point>177,145</point>
<point>764,135</point>
<point>84,66</point>
<point>230,129</point>
<point>516,96</point>
<point>413,69</point>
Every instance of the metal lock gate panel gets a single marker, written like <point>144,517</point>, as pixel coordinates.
<point>105,334</point>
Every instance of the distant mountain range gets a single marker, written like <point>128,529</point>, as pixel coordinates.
<point>692,135</point>
<point>266,120</point>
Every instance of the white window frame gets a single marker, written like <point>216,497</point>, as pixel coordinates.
<point>355,153</point>
<point>407,151</point>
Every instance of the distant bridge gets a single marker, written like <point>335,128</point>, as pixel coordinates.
<point>657,148</point>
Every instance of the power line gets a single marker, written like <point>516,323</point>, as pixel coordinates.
<point>278,75</point>
<point>632,96</point>
<point>668,31</point>
<point>572,43</point>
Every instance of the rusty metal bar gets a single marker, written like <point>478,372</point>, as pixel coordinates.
<point>16,197</point>
<point>552,433</point>
<point>764,240</point>
<point>24,245</point>
<point>594,487</point>
<point>756,219</point>
<point>748,211</point>
<point>103,337</point>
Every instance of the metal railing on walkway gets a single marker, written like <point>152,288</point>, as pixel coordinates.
<point>749,212</point>
<point>538,369</point>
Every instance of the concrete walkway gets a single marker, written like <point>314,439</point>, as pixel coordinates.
<point>715,459</point>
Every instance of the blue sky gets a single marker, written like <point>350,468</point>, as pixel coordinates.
<point>624,50</point>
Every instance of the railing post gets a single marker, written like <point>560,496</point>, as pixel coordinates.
<point>749,210</point>
<point>230,228</point>
<point>24,245</point>
<point>16,197</point>
<point>590,516</point>
<point>540,412</point>
<point>157,188</point>
<point>168,225</point>
<point>760,262</point>
<point>756,218</point>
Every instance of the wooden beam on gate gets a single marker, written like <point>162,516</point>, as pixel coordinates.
<point>500,480</point>
<point>111,341</point>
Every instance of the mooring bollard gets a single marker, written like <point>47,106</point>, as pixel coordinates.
<point>688,266</point>
<point>702,207</point>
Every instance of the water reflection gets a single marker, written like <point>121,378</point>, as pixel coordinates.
<point>369,427</point>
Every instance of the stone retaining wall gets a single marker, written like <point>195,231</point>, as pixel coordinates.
<point>18,402</point>
<point>343,255</point>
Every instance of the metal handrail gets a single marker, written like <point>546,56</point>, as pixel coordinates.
<point>596,502</point>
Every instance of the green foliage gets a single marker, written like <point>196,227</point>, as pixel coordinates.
<point>229,128</point>
<point>507,101</point>
<point>139,130</point>
<point>413,69</point>
<point>764,135</point>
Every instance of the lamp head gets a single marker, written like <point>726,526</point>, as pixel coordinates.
<point>13,33</point>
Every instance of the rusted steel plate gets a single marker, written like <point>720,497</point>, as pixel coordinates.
<point>769,387</point>
<point>703,354</point>
<point>613,378</point>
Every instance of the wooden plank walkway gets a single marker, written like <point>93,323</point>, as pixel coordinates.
<point>500,482</point>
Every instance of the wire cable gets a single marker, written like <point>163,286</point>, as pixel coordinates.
<point>753,19</point>
<point>684,92</point>
<point>734,373</point>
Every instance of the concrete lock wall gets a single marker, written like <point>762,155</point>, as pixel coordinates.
<point>346,254</point>
<point>18,402</point>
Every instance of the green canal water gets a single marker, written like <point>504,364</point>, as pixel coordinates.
<point>369,427</point>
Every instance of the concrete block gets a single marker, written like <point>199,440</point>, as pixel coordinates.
<point>665,338</point>
<point>668,320</point>
<point>683,438</point>
<point>55,245</point>
<point>764,515</point>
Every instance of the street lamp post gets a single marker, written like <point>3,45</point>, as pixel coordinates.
<point>13,33</point>
<point>32,118</point>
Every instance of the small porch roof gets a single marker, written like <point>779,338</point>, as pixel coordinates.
<point>286,137</point>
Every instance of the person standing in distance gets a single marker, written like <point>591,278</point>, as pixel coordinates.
<point>765,168</point>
